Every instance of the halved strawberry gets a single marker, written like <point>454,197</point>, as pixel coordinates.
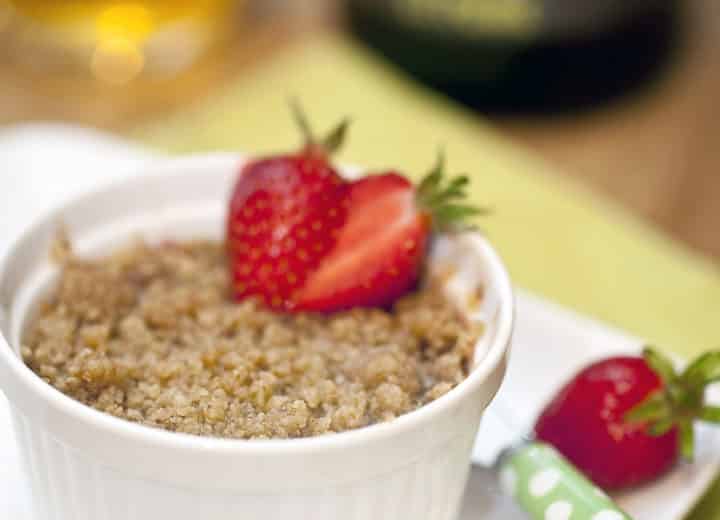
<point>381,249</point>
<point>284,218</point>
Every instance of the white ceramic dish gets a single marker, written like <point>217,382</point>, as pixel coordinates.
<point>86,464</point>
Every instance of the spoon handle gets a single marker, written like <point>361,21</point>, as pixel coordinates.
<point>548,487</point>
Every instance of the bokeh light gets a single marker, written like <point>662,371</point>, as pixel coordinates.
<point>131,21</point>
<point>121,30</point>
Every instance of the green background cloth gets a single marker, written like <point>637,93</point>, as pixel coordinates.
<point>558,239</point>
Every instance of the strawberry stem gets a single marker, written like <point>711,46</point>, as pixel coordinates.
<point>301,121</point>
<point>330,143</point>
<point>335,139</point>
<point>444,199</point>
<point>681,400</point>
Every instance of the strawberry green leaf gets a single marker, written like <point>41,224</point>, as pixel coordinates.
<point>430,183</point>
<point>704,370</point>
<point>455,190</point>
<point>710,413</point>
<point>660,364</point>
<point>336,137</point>
<point>681,400</point>
<point>444,200</point>
<point>459,183</point>
<point>660,427</point>
<point>654,408</point>
<point>687,439</point>
<point>456,212</point>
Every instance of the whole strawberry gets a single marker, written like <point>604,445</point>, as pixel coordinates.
<point>285,215</point>
<point>625,421</point>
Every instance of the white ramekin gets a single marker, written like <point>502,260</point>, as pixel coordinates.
<point>86,465</point>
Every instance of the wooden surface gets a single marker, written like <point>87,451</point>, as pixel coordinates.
<point>659,153</point>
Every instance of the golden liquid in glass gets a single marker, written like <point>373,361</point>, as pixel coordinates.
<point>119,39</point>
<point>140,15</point>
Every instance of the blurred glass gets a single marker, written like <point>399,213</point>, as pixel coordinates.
<point>115,40</point>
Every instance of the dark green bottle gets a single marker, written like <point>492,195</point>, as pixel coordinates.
<point>524,56</point>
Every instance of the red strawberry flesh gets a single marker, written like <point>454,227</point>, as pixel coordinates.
<point>379,252</point>
<point>285,213</point>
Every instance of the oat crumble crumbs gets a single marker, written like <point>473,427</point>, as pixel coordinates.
<point>151,335</point>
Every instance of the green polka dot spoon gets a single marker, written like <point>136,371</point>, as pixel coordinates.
<point>548,487</point>
<point>538,478</point>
